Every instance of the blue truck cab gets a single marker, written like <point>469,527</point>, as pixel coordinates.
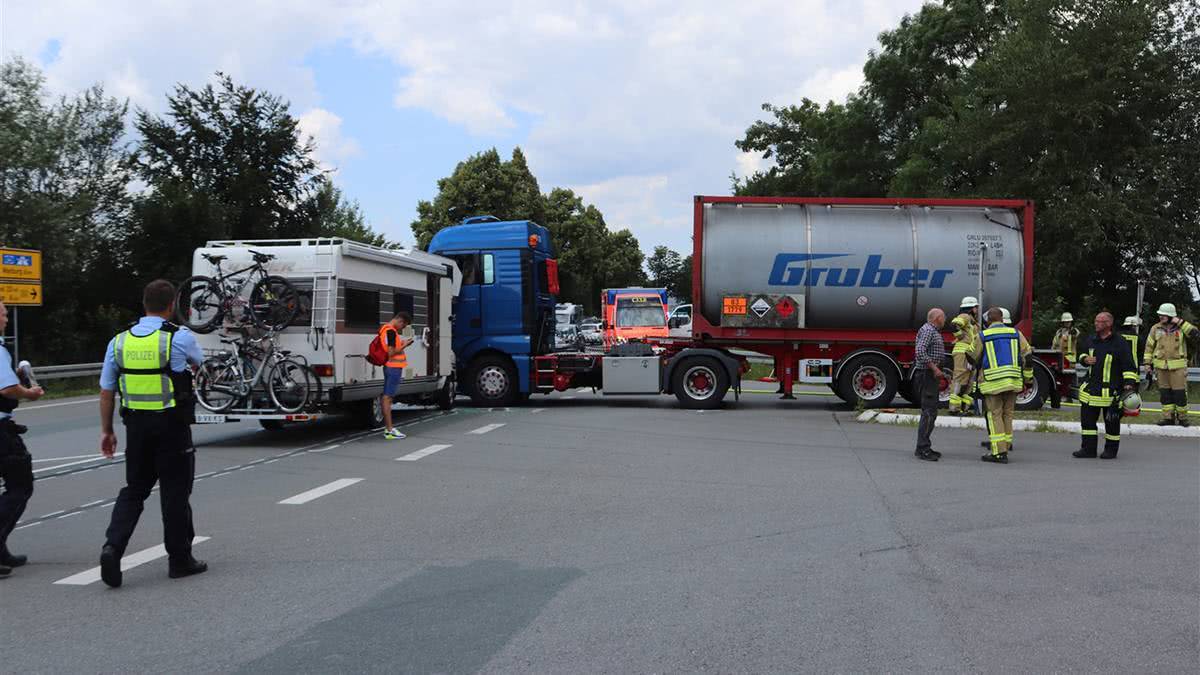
<point>504,314</point>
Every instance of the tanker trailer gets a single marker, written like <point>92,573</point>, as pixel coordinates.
<point>835,289</point>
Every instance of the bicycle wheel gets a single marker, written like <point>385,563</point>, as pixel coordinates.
<point>199,304</point>
<point>290,385</point>
<point>217,385</point>
<point>274,303</point>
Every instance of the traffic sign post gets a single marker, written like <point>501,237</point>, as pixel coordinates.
<point>20,284</point>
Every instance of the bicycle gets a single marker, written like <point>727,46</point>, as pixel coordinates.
<point>203,302</point>
<point>231,376</point>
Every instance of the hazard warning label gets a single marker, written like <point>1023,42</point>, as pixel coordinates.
<point>761,307</point>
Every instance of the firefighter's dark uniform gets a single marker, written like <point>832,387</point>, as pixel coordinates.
<point>1113,369</point>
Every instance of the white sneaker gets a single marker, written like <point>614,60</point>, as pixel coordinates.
<point>393,435</point>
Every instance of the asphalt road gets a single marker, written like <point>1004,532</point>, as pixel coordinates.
<point>581,534</point>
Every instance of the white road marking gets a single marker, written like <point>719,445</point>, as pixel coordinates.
<point>98,501</point>
<point>84,461</point>
<point>53,513</point>
<point>425,452</point>
<point>317,493</point>
<point>63,459</point>
<point>56,405</point>
<point>127,563</point>
<point>484,429</point>
<point>68,515</point>
<point>337,445</point>
<point>536,410</point>
<point>565,398</point>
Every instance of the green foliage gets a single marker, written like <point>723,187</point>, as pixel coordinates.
<point>591,257</point>
<point>672,271</point>
<point>1089,107</point>
<point>63,176</point>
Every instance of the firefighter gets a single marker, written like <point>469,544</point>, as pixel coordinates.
<point>1111,370</point>
<point>1066,339</point>
<point>1129,331</point>
<point>1004,369</point>
<point>965,327</point>
<point>1166,352</point>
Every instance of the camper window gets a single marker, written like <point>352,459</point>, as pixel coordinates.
<point>362,308</point>
<point>489,269</point>
<point>403,302</point>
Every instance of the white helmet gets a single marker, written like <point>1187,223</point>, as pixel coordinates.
<point>1007,318</point>
<point>1132,321</point>
<point>968,302</point>
<point>1167,309</point>
<point>1131,404</point>
<point>1066,316</point>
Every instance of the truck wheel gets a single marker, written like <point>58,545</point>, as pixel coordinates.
<point>493,382</point>
<point>700,383</point>
<point>369,413</point>
<point>271,425</point>
<point>870,379</point>
<point>1034,396</point>
<point>445,397</point>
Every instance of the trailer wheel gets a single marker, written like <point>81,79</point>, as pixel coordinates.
<point>871,379</point>
<point>445,397</point>
<point>369,412</point>
<point>493,382</point>
<point>1035,395</point>
<point>700,383</point>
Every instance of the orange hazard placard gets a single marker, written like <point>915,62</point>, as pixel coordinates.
<point>733,305</point>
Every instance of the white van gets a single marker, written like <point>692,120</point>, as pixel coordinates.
<point>348,290</point>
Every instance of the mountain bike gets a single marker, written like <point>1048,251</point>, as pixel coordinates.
<point>203,302</point>
<point>234,375</point>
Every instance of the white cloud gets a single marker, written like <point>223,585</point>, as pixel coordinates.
<point>332,146</point>
<point>638,102</point>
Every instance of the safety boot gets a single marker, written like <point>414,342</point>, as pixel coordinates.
<point>1166,422</point>
<point>1001,458</point>
<point>1183,420</point>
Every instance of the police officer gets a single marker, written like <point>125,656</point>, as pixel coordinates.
<point>1066,338</point>
<point>1111,369</point>
<point>965,328</point>
<point>16,465</point>
<point>1166,351</point>
<point>147,365</point>
<point>1003,357</point>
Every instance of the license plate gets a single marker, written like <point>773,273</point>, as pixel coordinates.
<point>210,419</point>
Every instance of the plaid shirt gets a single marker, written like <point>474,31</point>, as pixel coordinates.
<point>930,347</point>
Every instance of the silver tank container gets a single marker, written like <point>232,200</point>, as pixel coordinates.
<point>861,266</point>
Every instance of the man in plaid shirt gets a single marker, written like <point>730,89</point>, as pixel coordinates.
<point>926,379</point>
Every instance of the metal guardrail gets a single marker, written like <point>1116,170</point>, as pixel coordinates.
<point>1193,374</point>
<point>63,372</point>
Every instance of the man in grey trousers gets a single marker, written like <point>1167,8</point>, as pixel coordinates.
<point>926,379</point>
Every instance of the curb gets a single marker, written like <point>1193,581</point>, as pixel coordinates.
<point>1027,425</point>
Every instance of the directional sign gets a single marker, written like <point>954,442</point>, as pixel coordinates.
<point>21,295</point>
<point>20,265</point>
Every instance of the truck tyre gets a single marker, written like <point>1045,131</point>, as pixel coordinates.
<point>700,383</point>
<point>271,425</point>
<point>445,397</point>
<point>871,379</point>
<point>369,413</point>
<point>493,381</point>
<point>1035,396</point>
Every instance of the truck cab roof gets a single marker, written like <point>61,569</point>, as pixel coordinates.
<point>490,233</point>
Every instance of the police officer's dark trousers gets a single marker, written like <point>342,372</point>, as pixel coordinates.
<point>158,449</point>
<point>1088,416</point>
<point>16,470</point>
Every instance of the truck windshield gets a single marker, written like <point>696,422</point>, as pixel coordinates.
<point>640,313</point>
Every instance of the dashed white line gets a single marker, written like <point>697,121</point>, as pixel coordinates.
<point>318,492</point>
<point>68,515</point>
<point>83,461</point>
<point>536,410</point>
<point>98,501</point>
<point>128,562</point>
<point>63,459</point>
<point>486,428</point>
<point>424,452</point>
<point>53,513</point>
<point>565,398</point>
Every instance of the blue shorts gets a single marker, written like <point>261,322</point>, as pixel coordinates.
<point>391,380</point>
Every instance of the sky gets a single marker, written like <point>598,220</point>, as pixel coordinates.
<point>634,104</point>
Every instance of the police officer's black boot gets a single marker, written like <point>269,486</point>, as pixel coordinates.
<point>186,568</point>
<point>5,571</point>
<point>7,559</point>
<point>110,566</point>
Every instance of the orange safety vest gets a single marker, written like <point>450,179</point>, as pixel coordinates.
<point>398,360</point>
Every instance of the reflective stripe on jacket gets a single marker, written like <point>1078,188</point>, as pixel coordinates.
<point>1000,353</point>
<point>1114,367</point>
<point>144,370</point>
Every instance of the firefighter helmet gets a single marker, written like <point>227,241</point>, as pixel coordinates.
<point>1167,309</point>
<point>1066,318</point>
<point>1132,321</point>
<point>968,302</point>
<point>1006,318</point>
<point>1131,404</point>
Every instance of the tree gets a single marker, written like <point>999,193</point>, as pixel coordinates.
<point>63,190</point>
<point>671,271</point>
<point>590,256</point>
<point>1013,98</point>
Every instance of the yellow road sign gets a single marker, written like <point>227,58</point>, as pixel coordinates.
<point>20,265</point>
<point>21,295</point>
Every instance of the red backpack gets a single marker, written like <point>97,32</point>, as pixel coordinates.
<point>377,354</point>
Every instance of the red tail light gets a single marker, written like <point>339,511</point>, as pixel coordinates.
<point>323,370</point>
<point>552,276</point>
